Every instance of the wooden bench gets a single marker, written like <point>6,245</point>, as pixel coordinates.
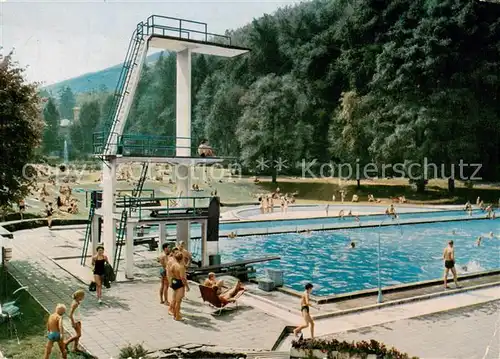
<point>5,233</point>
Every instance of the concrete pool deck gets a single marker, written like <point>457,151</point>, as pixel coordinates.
<point>300,211</point>
<point>131,312</point>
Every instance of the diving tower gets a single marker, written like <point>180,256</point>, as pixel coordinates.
<point>112,146</point>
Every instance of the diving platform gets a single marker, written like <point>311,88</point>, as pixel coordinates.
<point>184,161</point>
<point>180,149</point>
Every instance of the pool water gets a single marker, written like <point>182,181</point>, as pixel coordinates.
<point>332,221</point>
<point>409,253</point>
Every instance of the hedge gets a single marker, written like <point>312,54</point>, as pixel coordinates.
<point>37,223</point>
<point>362,348</point>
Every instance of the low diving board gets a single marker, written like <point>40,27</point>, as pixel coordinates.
<point>243,269</point>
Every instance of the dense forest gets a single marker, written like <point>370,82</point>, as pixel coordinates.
<point>351,81</point>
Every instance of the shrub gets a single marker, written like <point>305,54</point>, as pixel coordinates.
<point>31,224</point>
<point>362,348</point>
<point>134,352</point>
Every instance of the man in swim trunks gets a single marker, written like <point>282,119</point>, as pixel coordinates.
<point>55,331</point>
<point>304,309</point>
<point>178,283</point>
<point>163,260</point>
<point>449,264</point>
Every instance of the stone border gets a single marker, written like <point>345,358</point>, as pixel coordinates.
<point>270,231</point>
<point>404,301</point>
<point>320,207</point>
<point>385,290</point>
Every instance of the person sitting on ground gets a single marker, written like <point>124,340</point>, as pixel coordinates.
<point>229,294</point>
<point>371,198</point>
<point>205,150</point>
<point>355,198</point>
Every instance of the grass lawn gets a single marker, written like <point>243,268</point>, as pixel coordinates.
<point>30,327</point>
<point>436,191</point>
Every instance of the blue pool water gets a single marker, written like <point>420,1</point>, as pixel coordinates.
<point>409,253</point>
<point>335,220</point>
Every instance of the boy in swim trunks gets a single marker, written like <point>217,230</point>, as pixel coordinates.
<point>304,309</point>
<point>449,264</point>
<point>163,259</point>
<point>55,331</point>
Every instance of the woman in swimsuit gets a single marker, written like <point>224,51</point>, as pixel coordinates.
<point>55,331</point>
<point>179,285</point>
<point>99,262</point>
<point>76,318</point>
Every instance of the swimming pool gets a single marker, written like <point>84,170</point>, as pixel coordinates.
<point>409,253</point>
<point>334,208</point>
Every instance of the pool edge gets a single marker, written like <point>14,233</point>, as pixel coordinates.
<point>385,290</point>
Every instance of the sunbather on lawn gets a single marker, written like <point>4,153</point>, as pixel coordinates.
<point>229,294</point>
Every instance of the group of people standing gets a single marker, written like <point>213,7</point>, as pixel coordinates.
<point>267,201</point>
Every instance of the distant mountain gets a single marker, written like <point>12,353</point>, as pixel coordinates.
<point>104,80</point>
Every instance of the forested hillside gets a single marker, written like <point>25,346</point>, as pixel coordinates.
<point>344,80</point>
<point>99,81</point>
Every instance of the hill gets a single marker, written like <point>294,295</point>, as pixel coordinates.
<point>104,80</point>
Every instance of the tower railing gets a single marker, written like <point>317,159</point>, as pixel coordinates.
<point>155,25</point>
<point>133,145</point>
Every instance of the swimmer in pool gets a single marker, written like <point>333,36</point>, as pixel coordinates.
<point>478,242</point>
<point>353,245</point>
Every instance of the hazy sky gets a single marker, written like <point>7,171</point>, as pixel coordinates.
<point>58,40</point>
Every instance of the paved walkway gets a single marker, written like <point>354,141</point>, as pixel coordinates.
<point>465,333</point>
<point>131,312</point>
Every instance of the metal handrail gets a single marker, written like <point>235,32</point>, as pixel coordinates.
<point>137,37</point>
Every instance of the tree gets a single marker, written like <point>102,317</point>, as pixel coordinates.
<point>66,103</point>
<point>271,131</point>
<point>82,131</point>
<point>21,128</point>
<point>51,141</point>
<point>350,136</point>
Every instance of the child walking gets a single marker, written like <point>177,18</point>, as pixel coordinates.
<point>55,331</point>
<point>304,309</point>
<point>76,319</point>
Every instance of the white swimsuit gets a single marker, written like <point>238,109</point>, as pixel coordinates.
<point>76,314</point>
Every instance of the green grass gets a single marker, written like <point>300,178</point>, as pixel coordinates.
<point>434,194</point>
<point>30,327</point>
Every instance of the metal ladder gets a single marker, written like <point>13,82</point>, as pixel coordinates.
<point>120,240</point>
<point>125,90</point>
<point>137,191</point>
<point>88,234</point>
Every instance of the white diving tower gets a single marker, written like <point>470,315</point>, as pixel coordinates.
<point>175,35</point>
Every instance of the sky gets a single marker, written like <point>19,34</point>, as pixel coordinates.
<point>58,40</point>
